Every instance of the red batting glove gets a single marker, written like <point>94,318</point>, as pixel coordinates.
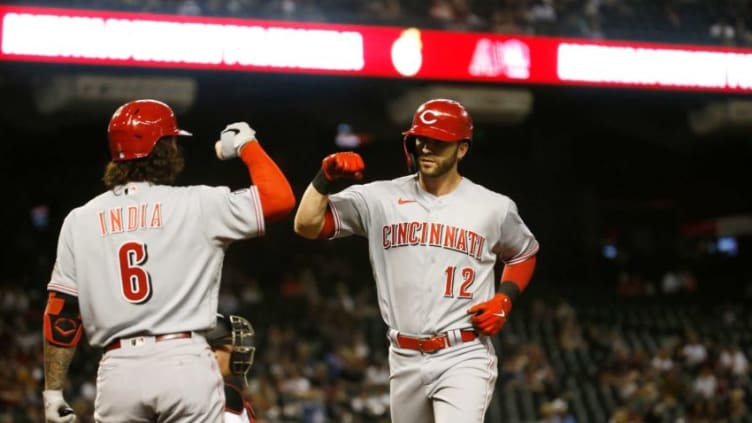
<point>490,316</point>
<point>345,165</point>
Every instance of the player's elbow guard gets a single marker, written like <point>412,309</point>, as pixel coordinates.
<point>62,320</point>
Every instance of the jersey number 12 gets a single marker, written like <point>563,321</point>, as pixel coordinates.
<point>468,277</point>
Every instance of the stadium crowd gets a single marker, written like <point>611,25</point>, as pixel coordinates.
<point>664,356</point>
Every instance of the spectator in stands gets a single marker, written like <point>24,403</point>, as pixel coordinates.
<point>381,10</point>
<point>693,352</point>
<point>662,361</point>
<point>733,362</point>
<point>722,31</point>
<point>465,19</point>
<point>737,408</point>
<point>706,384</point>
<point>441,13</point>
<point>540,376</point>
<point>556,411</point>
<point>541,15</point>
<point>670,284</point>
<point>189,8</point>
<point>507,21</point>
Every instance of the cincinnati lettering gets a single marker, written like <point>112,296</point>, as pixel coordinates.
<point>433,235</point>
<point>128,219</point>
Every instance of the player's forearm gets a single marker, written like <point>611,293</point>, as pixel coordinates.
<point>56,363</point>
<point>277,198</point>
<point>515,277</point>
<point>309,219</point>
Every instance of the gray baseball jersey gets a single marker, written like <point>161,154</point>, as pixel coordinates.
<point>147,259</point>
<point>432,257</point>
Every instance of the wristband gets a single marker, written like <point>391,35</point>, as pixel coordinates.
<point>320,183</point>
<point>510,289</point>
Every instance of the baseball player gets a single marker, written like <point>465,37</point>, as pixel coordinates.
<point>232,343</point>
<point>138,269</point>
<point>434,238</point>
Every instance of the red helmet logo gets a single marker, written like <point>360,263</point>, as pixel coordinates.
<point>135,128</point>
<point>428,117</point>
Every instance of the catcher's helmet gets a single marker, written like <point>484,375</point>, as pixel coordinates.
<point>440,119</point>
<point>136,126</point>
<point>237,333</point>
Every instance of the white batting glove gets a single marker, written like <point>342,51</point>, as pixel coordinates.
<point>232,139</point>
<point>56,410</point>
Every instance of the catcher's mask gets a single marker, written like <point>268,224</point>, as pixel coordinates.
<point>136,126</point>
<point>440,119</point>
<point>238,333</point>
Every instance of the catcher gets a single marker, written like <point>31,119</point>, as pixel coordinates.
<point>232,343</point>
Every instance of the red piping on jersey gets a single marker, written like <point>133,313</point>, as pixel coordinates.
<point>260,221</point>
<point>275,192</point>
<point>529,253</point>
<point>65,289</point>
<point>519,273</point>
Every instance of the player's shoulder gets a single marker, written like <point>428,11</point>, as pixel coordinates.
<point>94,203</point>
<point>404,180</point>
<point>488,198</point>
<point>478,189</point>
<point>193,192</point>
<point>197,189</point>
<point>148,192</point>
<point>399,182</point>
<point>379,186</point>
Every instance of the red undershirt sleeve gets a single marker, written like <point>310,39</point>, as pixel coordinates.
<point>327,231</point>
<point>275,192</point>
<point>519,273</point>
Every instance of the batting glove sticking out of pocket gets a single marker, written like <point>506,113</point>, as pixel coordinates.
<point>56,410</point>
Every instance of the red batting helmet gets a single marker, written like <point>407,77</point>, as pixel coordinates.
<point>136,126</point>
<point>440,119</point>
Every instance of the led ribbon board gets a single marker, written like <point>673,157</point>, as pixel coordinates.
<point>56,35</point>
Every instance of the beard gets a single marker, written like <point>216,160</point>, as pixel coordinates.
<point>439,166</point>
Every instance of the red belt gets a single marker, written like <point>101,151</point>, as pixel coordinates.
<point>159,338</point>
<point>434,343</point>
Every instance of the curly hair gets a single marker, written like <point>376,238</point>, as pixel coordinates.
<point>161,166</point>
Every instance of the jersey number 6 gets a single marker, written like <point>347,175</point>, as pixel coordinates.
<point>135,281</point>
<point>468,277</point>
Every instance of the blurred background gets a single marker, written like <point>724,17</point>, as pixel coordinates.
<point>639,308</point>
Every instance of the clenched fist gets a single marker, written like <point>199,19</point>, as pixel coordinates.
<point>232,139</point>
<point>489,317</point>
<point>347,165</point>
<point>337,171</point>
